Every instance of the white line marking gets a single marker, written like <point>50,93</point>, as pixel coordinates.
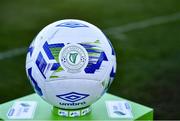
<point>12,53</point>
<point>113,30</point>
<point>144,24</point>
<point>120,36</point>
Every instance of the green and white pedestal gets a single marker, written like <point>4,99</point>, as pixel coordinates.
<point>99,110</point>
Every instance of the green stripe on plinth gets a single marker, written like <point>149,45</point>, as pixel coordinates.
<point>71,112</point>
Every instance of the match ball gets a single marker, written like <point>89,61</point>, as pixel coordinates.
<point>70,64</point>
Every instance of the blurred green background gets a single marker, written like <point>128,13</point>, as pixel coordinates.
<point>144,33</point>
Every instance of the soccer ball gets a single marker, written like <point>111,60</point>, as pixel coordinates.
<point>70,64</point>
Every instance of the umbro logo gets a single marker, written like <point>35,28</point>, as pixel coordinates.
<point>72,96</point>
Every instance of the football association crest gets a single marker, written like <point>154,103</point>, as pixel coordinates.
<point>73,58</point>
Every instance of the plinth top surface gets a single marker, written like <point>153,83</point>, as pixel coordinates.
<point>99,110</point>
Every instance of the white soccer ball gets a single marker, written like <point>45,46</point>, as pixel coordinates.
<point>70,64</point>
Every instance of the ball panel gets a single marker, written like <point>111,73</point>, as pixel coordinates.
<point>73,93</point>
<point>35,80</point>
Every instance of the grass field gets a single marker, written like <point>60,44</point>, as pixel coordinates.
<point>145,35</point>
